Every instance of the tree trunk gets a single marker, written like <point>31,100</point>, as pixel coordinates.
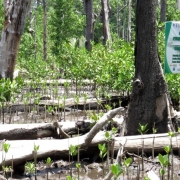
<point>105,20</point>
<point>149,100</point>
<point>45,30</point>
<point>178,4</point>
<point>89,29</point>
<point>163,11</point>
<point>15,18</point>
<point>118,21</point>
<point>129,21</point>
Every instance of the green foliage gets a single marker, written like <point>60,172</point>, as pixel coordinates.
<point>103,150</point>
<point>116,170</point>
<point>7,168</point>
<point>127,162</point>
<point>167,149</point>
<point>30,167</point>
<point>110,134</point>
<point>36,148</point>
<point>164,160</point>
<point>73,150</point>
<point>6,147</point>
<point>66,22</point>
<point>171,134</point>
<point>143,129</point>
<point>8,87</point>
<point>48,161</point>
<point>78,165</point>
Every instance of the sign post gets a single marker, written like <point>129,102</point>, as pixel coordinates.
<point>172,47</point>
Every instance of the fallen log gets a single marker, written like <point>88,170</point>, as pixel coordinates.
<point>42,130</point>
<point>22,150</point>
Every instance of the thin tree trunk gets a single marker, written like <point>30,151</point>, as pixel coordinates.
<point>118,20</point>
<point>105,20</point>
<point>89,29</point>
<point>129,21</point>
<point>178,4</point>
<point>45,30</point>
<point>15,18</point>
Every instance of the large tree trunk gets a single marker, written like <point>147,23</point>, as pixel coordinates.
<point>149,101</point>
<point>89,29</point>
<point>15,18</point>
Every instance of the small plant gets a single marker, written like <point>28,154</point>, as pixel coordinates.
<point>7,170</point>
<point>78,166</point>
<point>103,152</point>
<point>127,163</point>
<point>142,130</point>
<point>48,163</point>
<point>95,117</point>
<point>154,131</point>
<point>30,168</point>
<point>36,148</point>
<point>73,151</point>
<point>116,170</point>
<point>109,136</point>
<point>164,161</point>
<point>6,147</point>
<point>171,135</point>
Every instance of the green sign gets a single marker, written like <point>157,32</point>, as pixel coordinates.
<point>172,47</point>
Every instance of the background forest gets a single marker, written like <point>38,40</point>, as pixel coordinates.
<point>52,45</point>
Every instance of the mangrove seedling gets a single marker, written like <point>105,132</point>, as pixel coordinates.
<point>109,137</point>
<point>30,168</point>
<point>6,147</point>
<point>142,130</point>
<point>36,148</point>
<point>48,163</point>
<point>164,161</point>
<point>154,131</point>
<point>73,151</point>
<point>171,135</point>
<point>116,170</point>
<point>78,166</point>
<point>7,170</point>
<point>127,163</point>
<point>102,154</point>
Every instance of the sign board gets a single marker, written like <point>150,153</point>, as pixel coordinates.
<point>172,47</point>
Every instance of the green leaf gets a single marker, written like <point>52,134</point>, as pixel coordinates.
<point>127,162</point>
<point>162,171</point>
<point>6,147</point>
<point>167,149</point>
<point>161,159</point>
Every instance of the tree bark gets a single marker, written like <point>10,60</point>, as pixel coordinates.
<point>163,11</point>
<point>45,30</point>
<point>22,150</point>
<point>150,103</point>
<point>129,21</point>
<point>15,18</point>
<point>89,29</point>
<point>105,20</point>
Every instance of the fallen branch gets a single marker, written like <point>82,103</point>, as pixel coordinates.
<point>22,150</point>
